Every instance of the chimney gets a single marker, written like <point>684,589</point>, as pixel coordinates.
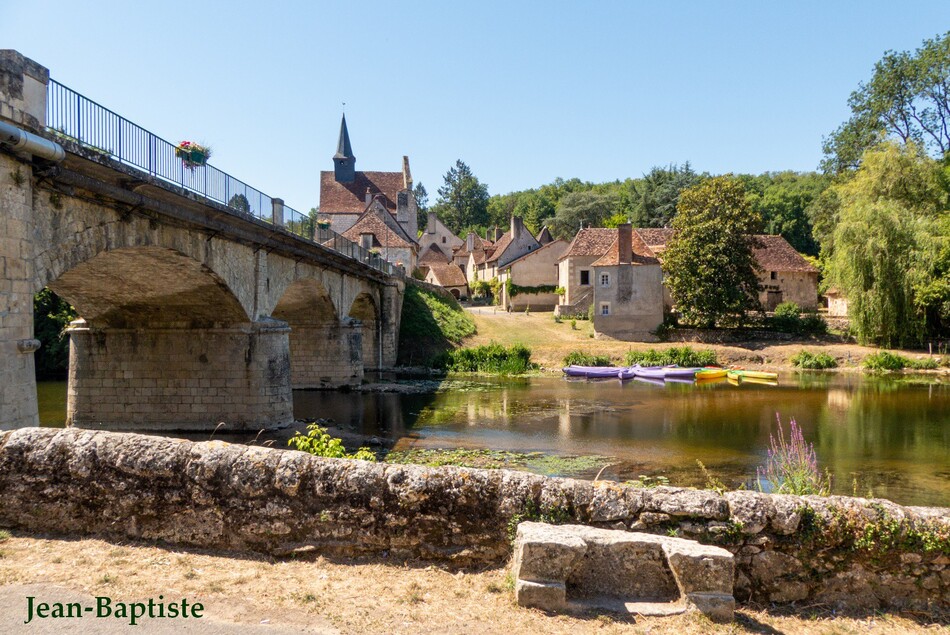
<point>517,225</point>
<point>497,234</point>
<point>470,242</point>
<point>406,174</point>
<point>625,242</point>
<point>430,223</point>
<point>405,216</point>
<point>369,197</point>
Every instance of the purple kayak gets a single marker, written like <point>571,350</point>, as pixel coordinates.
<point>651,372</point>
<point>596,372</point>
<point>681,373</point>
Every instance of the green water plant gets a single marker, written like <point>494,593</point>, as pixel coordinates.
<point>491,359</point>
<point>580,358</point>
<point>680,355</point>
<point>813,361</point>
<point>792,465</point>
<point>318,442</point>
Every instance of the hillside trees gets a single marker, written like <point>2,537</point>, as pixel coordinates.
<point>891,254</point>
<point>463,199</point>
<point>709,264</point>
<point>907,98</point>
<point>654,197</point>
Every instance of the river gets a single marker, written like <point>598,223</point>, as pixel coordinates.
<point>888,436</point>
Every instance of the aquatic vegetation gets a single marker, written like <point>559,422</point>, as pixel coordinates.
<point>792,465</point>
<point>535,462</point>
<point>580,358</point>
<point>813,361</point>
<point>679,355</point>
<point>491,358</point>
<point>885,361</point>
<point>319,443</point>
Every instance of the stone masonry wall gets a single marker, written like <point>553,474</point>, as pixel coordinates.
<point>844,551</point>
<point>180,379</point>
<point>325,356</point>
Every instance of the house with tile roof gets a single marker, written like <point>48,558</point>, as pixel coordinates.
<point>436,233</point>
<point>450,277</point>
<point>530,274</point>
<point>627,288</point>
<point>575,274</point>
<point>345,192</point>
<point>513,244</point>
<point>376,229</point>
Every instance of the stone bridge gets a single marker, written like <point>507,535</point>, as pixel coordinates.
<point>192,312</point>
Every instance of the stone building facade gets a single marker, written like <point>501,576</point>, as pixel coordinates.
<point>537,268</point>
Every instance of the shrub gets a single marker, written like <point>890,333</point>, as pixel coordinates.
<point>807,360</point>
<point>679,355</point>
<point>884,360</point>
<point>581,358</point>
<point>492,358</point>
<point>792,466</point>
<point>926,363</point>
<point>319,443</point>
<point>573,324</point>
<point>788,318</point>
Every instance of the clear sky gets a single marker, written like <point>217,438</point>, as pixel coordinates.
<point>521,91</point>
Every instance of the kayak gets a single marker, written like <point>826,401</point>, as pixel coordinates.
<point>681,373</point>
<point>758,380</point>
<point>711,373</point>
<point>738,373</point>
<point>651,372</point>
<point>600,372</point>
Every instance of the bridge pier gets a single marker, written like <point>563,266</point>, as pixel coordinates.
<point>180,379</point>
<point>326,355</point>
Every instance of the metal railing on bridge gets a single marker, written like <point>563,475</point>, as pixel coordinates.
<point>75,118</point>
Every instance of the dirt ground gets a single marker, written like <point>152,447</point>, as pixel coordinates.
<point>550,341</point>
<point>315,594</point>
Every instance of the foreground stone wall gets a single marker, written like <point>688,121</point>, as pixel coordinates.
<point>846,551</point>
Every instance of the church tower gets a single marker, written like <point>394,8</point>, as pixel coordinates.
<point>344,163</point>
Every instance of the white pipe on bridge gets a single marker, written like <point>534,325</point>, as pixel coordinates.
<point>36,145</point>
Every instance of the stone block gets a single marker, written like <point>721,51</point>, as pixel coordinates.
<point>719,607</point>
<point>545,552</point>
<point>547,596</point>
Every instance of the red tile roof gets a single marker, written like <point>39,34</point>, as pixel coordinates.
<point>481,244</point>
<point>593,241</point>
<point>371,223</point>
<point>500,247</point>
<point>448,275</point>
<point>350,198</point>
<point>655,238</point>
<point>642,255</point>
<point>433,255</point>
<point>773,253</point>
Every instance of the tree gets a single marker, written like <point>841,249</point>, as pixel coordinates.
<point>907,98</point>
<point>891,255</point>
<point>655,196</point>
<point>709,265</point>
<point>51,316</point>
<point>581,208</point>
<point>784,200</point>
<point>422,205</point>
<point>463,200</point>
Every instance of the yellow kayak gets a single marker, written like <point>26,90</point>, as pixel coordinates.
<point>738,374</point>
<point>710,373</point>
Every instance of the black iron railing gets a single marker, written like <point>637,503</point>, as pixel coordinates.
<point>72,117</point>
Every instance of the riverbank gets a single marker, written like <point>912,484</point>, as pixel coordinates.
<point>551,341</point>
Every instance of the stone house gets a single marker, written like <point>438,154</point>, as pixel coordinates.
<point>450,277</point>
<point>377,229</point>
<point>438,234</point>
<point>473,244</point>
<point>537,268</point>
<point>345,192</point>
<point>575,274</point>
<point>627,289</point>
<point>513,244</point>
<point>837,303</point>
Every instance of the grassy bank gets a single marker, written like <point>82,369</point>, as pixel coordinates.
<point>431,324</point>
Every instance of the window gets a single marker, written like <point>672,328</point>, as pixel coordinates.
<point>585,277</point>
<point>366,241</point>
<point>605,308</point>
<point>773,275</point>
<point>443,240</point>
<point>605,279</point>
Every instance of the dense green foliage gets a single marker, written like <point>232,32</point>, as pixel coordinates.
<point>709,264</point>
<point>813,361</point>
<point>786,202</point>
<point>789,318</point>
<point>422,205</point>
<point>319,443</point>
<point>463,199</point>
<point>887,361</point>
<point>582,209</point>
<point>683,356</point>
<point>907,99</point>
<point>51,316</point>
<point>580,358</point>
<point>890,250</point>
<point>431,324</point>
<point>654,198</point>
<point>515,289</point>
<point>491,358</point>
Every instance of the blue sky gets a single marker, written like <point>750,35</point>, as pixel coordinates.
<point>521,91</point>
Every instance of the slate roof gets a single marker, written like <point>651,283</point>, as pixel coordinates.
<point>592,241</point>
<point>448,275</point>
<point>773,253</point>
<point>642,255</point>
<point>371,223</point>
<point>350,198</point>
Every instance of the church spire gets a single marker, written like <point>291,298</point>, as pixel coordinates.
<point>344,163</point>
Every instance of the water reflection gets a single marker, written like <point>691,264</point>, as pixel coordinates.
<point>891,436</point>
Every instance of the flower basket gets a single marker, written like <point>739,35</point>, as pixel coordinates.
<point>192,154</point>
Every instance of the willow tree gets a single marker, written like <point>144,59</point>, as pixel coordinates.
<point>891,254</point>
<point>709,264</point>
